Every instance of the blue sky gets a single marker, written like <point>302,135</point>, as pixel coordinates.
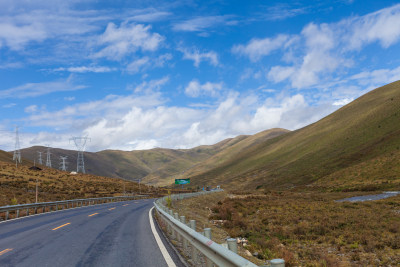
<point>178,74</point>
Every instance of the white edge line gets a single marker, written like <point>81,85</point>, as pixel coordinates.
<point>160,244</point>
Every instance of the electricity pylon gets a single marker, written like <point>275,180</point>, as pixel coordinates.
<point>48,159</point>
<point>63,163</point>
<point>80,143</point>
<point>17,152</point>
<point>40,157</point>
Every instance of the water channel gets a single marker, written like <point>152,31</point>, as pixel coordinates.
<point>370,197</point>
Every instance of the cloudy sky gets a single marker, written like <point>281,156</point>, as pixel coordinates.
<point>177,74</point>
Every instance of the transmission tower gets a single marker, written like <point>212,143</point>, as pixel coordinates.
<point>40,157</point>
<point>63,163</point>
<point>80,143</point>
<point>17,152</point>
<point>48,160</point>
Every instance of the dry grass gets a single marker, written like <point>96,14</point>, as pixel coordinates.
<point>17,185</point>
<point>308,228</point>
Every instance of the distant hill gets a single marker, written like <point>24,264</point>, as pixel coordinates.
<point>354,148</point>
<point>156,166</point>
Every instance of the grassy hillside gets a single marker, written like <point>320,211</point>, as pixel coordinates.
<point>155,166</point>
<point>239,144</point>
<point>366,130</point>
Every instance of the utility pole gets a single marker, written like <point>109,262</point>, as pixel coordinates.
<point>36,201</point>
<point>80,143</point>
<point>17,152</point>
<point>48,159</point>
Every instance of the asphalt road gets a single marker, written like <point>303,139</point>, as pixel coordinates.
<point>113,234</point>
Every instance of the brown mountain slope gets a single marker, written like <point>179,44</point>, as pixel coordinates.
<point>154,165</point>
<point>364,130</point>
<point>228,153</point>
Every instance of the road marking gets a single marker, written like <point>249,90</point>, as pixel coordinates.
<point>92,214</point>
<point>160,244</point>
<point>112,208</point>
<point>60,226</point>
<point>5,251</point>
<point>125,205</point>
<point>136,202</point>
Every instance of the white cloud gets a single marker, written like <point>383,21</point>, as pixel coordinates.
<point>382,26</point>
<point>10,105</point>
<point>195,89</point>
<point>17,36</point>
<point>31,109</point>
<point>258,48</point>
<point>202,23</point>
<point>322,49</point>
<point>143,122</point>
<point>38,89</point>
<point>278,73</point>
<point>342,102</point>
<point>137,64</point>
<point>378,77</point>
<point>150,86</point>
<point>151,16</point>
<point>283,11</point>
<point>198,57</point>
<point>127,39</point>
<point>84,69</point>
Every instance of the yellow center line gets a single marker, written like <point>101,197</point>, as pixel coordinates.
<point>92,214</point>
<point>60,226</point>
<point>5,251</point>
<point>125,205</point>
<point>112,209</point>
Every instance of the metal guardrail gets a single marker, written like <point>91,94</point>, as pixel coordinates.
<point>57,205</point>
<point>199,246</point>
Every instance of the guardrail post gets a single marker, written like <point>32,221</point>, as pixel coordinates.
<point>183,220</point>
<point>27,212</point>
<point>35,210</point>
<point>7,214</point>
<point>193,224</point>
<point>194,250</point>
<point>232,244</point>
<point>17,213</point>
<point>44,209</point>
<point>207,233</point>
<point>56,207</point>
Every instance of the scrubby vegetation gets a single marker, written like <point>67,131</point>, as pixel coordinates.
<point>305,228</point>
<point>310,228</point>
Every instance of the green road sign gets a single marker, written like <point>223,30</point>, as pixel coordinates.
<point>182,181</point>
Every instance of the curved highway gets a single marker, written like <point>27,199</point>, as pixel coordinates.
<point>113,234</point>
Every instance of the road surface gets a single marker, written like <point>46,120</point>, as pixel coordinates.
<point>112,234</point>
